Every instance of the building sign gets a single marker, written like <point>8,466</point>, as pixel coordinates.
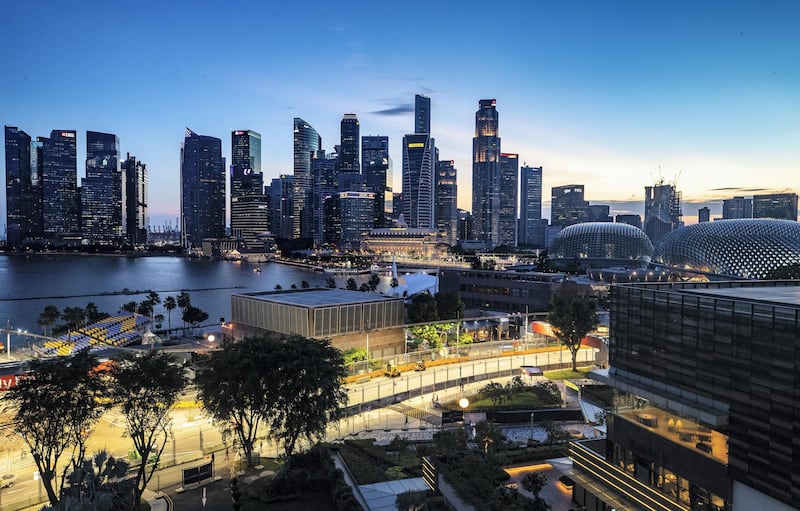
<point>8,381</point>
<point>67,134</point>
<point>416,144</point>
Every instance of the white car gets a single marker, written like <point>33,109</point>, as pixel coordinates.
<point>7,480</point>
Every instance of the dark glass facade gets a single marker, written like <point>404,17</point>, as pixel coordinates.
<point>249,217</point>
<point>422,114</point>
<point>446,197</point>
<point>136,200</point>
<point>102,191</point>
<point>306,143</point>
<point>567,205</point>
<point>61,200</point>
<point>349,160</point>
<point>737,207</point>
<point>486,174</point>
<point>281,194</point>
<point>23,192</point>
<point>530,206</point>
<point>202,189</point>
<point>507,209</point>
<point>356,210</point>
<point>418,180</point>
<point>376,168</point>
<point>324,186</point>
<point>782,206</point>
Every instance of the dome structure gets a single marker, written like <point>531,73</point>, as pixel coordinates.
<point>747,248</point>
<point>601,244</point>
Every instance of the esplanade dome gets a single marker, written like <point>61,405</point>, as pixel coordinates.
<point>748,248</point>
<point>601,244</point>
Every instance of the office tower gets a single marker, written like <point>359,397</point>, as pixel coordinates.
<point>281,194</point>
<point>23,190</point>
<point>782,206</point>
<point>202,189</point>
<point>486,175</point>
<point>703,214</point>
<point>567,206</point>
<point>598,213</point>
<point>376,168</point>
<point>249,206</point>
<point>397,206</point>
<point>136,221</point>
<point>324,187</point>
<point>464,225</point>
<point>418,180</point>
<point>306,142</point>
<point>348,149</point>
<point>356,210</point>
<point>250,217</point>
<point>634,220</point>
<point>530,206</point>
<point>446,200</point>
<point>662,210</point>
<point>507,209</point>
<point>61,200</point>
<point>737,207</point>
<point>102,191</point>
<point>422,114</point>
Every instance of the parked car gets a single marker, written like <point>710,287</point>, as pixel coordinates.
<point>7,480</point>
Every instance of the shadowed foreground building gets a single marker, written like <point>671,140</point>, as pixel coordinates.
<point>708,413</point>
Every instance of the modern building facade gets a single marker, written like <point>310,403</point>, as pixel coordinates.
<point>102,192</point>
<point>23,189</point>
<point>446,196</point>
<point>376,169</point>
<point>202,189</point>
<point>662,210</point>
<point>703,214</point>
<point>246,175</point>
<point>486,175</point>
<point>634,220</point>
<point>737,207</point>
<point>707,413</point>
<point>599,245</point>
<point>507,208</point>
<point>324,187</point>
<point>281,193</point>
<point>60,197</point>
<point>781,206</point>
<point>530,207</point>
<point>422,114</point>
<point>349,160</point>
<point>567,205</point>
<point>136,189</point>
<point>306,143</point>
<point>356,210</point>
<point>388,242</point>
<point>418,180</point>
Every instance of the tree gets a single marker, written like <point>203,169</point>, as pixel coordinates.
<point>294,286</point>
<point>100,483</point>
<point>331,283</point>
<point>354,355</point>
<point>55,407</point>
<point>393,284</point>
<point>129,307</point>
<point>48,318</point>
<point>73,316</point>
<point>304,284</point>
<point>572,319</point>
<point>194,315</point>
<point>351,284</point>
<point>496,392</point>
<point>145,386</point>
<point>534,482</point>
<point>489,434</point>
<point>278,287</point>
<point>364,288</point>
<point>373,282</point>
<point>92,314</point>
<point>422,308</point>
<point>449,305</point>
<point>170,304</point>
<point>556,434</point>
<point>785,272</point>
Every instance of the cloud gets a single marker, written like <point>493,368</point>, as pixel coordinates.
<point>403,109</point>
<point>739,189</point>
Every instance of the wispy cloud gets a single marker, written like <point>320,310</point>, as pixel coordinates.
<point>403,109</point>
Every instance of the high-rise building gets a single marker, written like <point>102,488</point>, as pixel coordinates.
<point>324,187</point>
<point>567,205</point>
<point>281,195</point>
<point>782,206</point>
<point>61,199</point>
<point>202,189</point>
<point>376,168</point>
<point>136,220</point>
<point>422,114</point>
<point>598,213</point>
<point>634,220</point>
<point>348,149</point>
<point>23,190</point>
<point>102,191</point>
<point>446,200</point>
<point>486,175</point>
<point>250,217</point>
<point>737,207</point>
<point>530,206</point>
<point>249,206</point>
<point>418,180</point>
<point>662,210</point>
<point>507,210</point>
<point>464,225</point>
<point>703,214</point>
<point>306,143</point>
<point>356,210</point>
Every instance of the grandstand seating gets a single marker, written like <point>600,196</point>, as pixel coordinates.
<point>120,330</point>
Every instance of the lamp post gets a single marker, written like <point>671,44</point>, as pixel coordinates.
<point>531,425</point>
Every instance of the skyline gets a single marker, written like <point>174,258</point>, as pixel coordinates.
<point>596,95</point>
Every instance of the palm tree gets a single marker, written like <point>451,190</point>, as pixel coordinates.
<point>184,302</point>
<point>48,318</point>
<point>170,304</point>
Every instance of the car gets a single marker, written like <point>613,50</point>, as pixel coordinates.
<point>7,480</point>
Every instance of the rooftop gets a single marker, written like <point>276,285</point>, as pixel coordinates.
<point>317,297</point>
<point>788,295</point>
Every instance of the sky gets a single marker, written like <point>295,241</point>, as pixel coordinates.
<point>614,95</point>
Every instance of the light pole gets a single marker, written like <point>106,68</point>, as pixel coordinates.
<point>531,425</point>
<point>8,339</point>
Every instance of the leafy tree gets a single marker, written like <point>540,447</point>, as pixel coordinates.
<point>55,408</point>
<point>785,272</point>
<point>572,319</point>
<point>159,319</point>
<point>92,314</point>
<point>100,483</point>
<point>394,283</point>
<point>447,442</point>
<point>449,305</point>
<point>351,284</point>
<point>331,283</point>
<point>304,284</point>
<point>488,433</point>
<point>184,300</point>
<point>411,500</point>
<point>556,434</point>
<point>516,385</point>
<point>422,308</point>
<point>48,318</point>
<point>294,286</point>
<point>145,386</point>
<point>73,316</point>
<point>429,333</point>
<point>153,298</point>
<point>145,308</point>
<point>373,282</point>
<point>193,315</point>
<point>495,391</point>
<point>129,307</point>
<point>170,304</point>
<point>278,287</point>
<point>534,482</point>
<point>354,355</point>
<point>364,288</point>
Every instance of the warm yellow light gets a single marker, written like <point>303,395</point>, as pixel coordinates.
<point>463,402</point>
<point>416,144</point>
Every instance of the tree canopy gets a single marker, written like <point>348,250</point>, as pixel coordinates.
<point>572,319</point>
<point>422,308</point>
<point>449,305</point>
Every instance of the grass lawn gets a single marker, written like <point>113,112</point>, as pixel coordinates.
<point>521,399</point>
<point>568,374</point>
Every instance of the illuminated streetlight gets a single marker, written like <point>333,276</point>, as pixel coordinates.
<point>211,338</point>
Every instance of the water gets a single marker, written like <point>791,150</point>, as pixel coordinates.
<point>210,283</point>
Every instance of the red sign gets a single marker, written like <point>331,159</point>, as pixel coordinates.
<point>9,380</point>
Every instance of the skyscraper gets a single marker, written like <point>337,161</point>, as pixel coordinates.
<point>136,200</point>
<point>376,168</point>
<point>422,114</point>
<point>486,174</point>
<point>61,201</point>
<point>782,206</point>
<point>23,193</point>
<point>323,188</point>
<point>446,197</point>
<point>356,210</point>
<point>202,189</point>
<point>418,180</point>
<point>567,205</point>
<point>281,195</point>
<point>703,214</point>
<point>662,210</point>
<point>348,150</point>
<point>530,206</point>
<point>507,209</point>
<point>102,197</point>
<point>306,142</point>
<point>737,207</point>
<point>249,206</point>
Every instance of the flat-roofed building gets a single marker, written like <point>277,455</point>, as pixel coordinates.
<point>351,319</point>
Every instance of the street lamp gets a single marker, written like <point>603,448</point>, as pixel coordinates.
<point>531,425</point>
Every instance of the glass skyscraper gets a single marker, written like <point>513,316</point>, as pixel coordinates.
<point>446,196</point>
<point>782,206</point>
<point>662,210</point>
<point>23,193</point>
<point>418,180</point>
<point>567,205</point>
<point>136,200</point>
<point>249,206</point>
<point>376,168</point>
<point>202,189</point>
<point>422,114</point>
<point>507,209</point>
<point>348,150</point>
<point>306,143</point>
<point>61,201</point>
<point>486,175</point>
<point>530,206</point>
<point>102,198</point>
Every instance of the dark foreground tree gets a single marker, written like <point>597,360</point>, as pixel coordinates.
<point>55,408</point>
<point>48,318</point>
<point>145,386</point>
<point>100,483</point>
<point>449,305</point>
<point>572,319</point>
<point>290,385</point>
<point>422,308</point>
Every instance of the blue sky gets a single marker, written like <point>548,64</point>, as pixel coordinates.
<point>612,95</point>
